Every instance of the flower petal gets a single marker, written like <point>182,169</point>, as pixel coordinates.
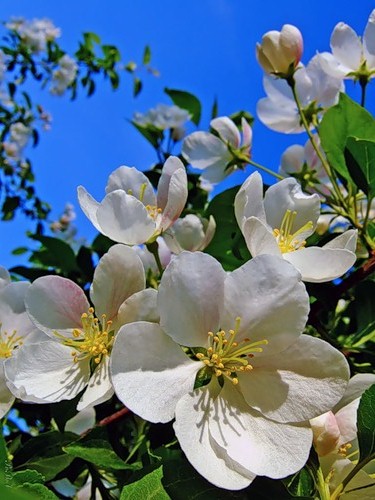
<point>89,206</point>
<point>171,166</point>
<point>56,304</point>
<point>176,198</point>
<point>13,315</point>
<point>202,149</point>
<point>265,447</point>
<point>282,118</point>
<point>227,130</point>
<point>4,277</point>
<point>118,275</point>
<point>259,239</point>
<point>346,46</point>
<point>249,200</point>
<point>356,387</point>
<point>300,383</point>
<point>133,182</point>
<point>190,298</point>
<point>194,414</point>
<point>99,387</point>
<point>347,240</point>
<point>125,219</point>
<point>369,42</point>
<point>141,306</point>
<point>150,372</point>
<point>261,292</point>
<point>6,397</point>
<point>81,422</point>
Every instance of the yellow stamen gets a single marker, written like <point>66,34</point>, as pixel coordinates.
<point>288,241</point>
<point>8,342</point>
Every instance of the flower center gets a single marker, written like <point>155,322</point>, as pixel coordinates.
<point>94,340</point>
<point>8,342</point>
<point>288,241</point>
<point>226,357</point>
<point>153,211</point>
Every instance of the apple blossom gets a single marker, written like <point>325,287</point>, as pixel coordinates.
<point>131,212</point>
<point>315,88</point>
<point>351,57</point>
<point>34,33</point>
<point>240,383</point>
<point>280,51</point>
<point>19,135</point>
<point>280,224</point>
<point>190,233</point>
<point>219,155</point>
<point>77,352</point>
<point>163,117</point>
<point>64,75</point>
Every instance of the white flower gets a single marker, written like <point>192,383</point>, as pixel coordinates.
<point>64,75</point>
<point>351,56</point>
<point>77,352</point>
<point>263,378</point>
<point>315,88</point>
<point>335,440</point>
<point>163,117</point>
<point>15,330</point>
<point>19,135</point>
<point>131,212</point>
<point>218,156</point>
<point>280,51</point>
<point>148,259</point>
<point>190,233</point>
<point>35,33</point>
<point>280,224</point>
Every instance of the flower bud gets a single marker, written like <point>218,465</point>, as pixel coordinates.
<point>280,51</point>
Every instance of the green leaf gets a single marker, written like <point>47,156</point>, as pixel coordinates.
<point>187,101</point>
<point>5,465</point>
<point>301,484</point>
<point>346,119</point>
<point>360,160</point>
<point>147,55</point>
<point>100,453</point>
<point>150,487</point>
<point>8,493</point>
<point>366,424</point>
<point>54,253</point>
<point>38,491</point>
<point>137,86</point>
<point>20,250</point>
<point>228,245</point>
<point>150,132</point>
<point>27,476</point>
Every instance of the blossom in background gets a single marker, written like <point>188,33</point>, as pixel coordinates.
<point>281,223</point>
<point>35,33</point>
<point>131,212</point>
<point>351,57</point>
<point>148,259</point>
<point>191,233</point>
<point>64,75</point>
<point>335,441</point>
<point>76,355</point>
<point>16,329</point>
<point>165,117</point>
<point>280,52</point>
<point>19,135</point>
<point>259,379</point>
<point>219,155</point>
<point>316,89</point>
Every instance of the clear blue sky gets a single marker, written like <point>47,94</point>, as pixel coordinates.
<point>204,46</point>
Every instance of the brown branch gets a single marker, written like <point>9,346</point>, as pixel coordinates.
<point>113,418</point>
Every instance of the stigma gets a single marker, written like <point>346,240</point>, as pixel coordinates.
<point>288,241</point>
<point>226,357</point>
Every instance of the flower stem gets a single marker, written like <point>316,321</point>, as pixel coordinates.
<point>153,248</point>
<point>265,169</point>
<point>363,83</point>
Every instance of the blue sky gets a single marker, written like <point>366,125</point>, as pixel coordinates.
<point>206,47</point>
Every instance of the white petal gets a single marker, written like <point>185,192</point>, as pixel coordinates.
<point>118,275</point>
<point>176,198</point>
<point>261,292</point>
<point>259,239</point>
<point>141,306</point>
<point>287,195</point>
<point>134,183</point>
<point>4,277</point>
<point>190,298</point>
<point>81,422</point>
<point>356,387</point>
<point>281,118</point>
<point>227,130</point>
<point>56,304</point>
<point>247,133</point>
<point>318,265</point>
<point>346,419</point>
<point>369,41</point>
<point>249,199</point>
<point>332,66</point>
<point>171,166</point>
<point>292,160</point>
<point>46,372</point>
<point>6,397</point>
<point>89,206</point>
<point>125,219</point>
<point>150,372</point>
<point>216,172</point>
<point>13,314</point>
<point>346,46</point>
<point>300,383</point>
<point>202,149</point>
<point>194,414</point>
<point>265,447</point>
<point>347,240</point>
<point>99,387</point>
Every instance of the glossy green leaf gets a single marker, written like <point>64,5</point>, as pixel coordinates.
<point>366,424</point>
<point>360,160</point>
<point>147,55</point>
<point>150,487</point>
<point>187,101</point>
<point>27,476</point>
<point>54,253</point>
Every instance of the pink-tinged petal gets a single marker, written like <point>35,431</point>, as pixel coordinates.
<point>249,199</point>
<point>190,298</point>
<point>288,195</point>
<point>194,414</point>
<point>4,277</point>
<point>326,433</point>
<point>300,383</point>
<point>346,240</point>
<point>227,130</point>
<point>318,265</point>
<point>278,117</point>
<point>356,387</point>
<point>150,372</point>
<point>291,43</point>
<point>171,166</point>
<point>247,134</point>
<point>6,397</point>
<point>202,149</point>
<point>133,182</point>
<point>89,206</point>
<point>369,41</point>
<point>265,447</point>
<point>260,293</point>
<point>141,306</point>
<point>177,196</point>
<point>346,419</point>
<point>346,46</point>
<point>259,238</point>
<point>125,219</point>
<point>56,304</point>
<point>46,372</point>
<point>99,387</point>
<point>118,275</point>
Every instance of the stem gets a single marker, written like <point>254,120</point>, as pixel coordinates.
<point>340,488</point>
<point>153,248</point>
<point>265,169</point>
<point>363,83</point>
